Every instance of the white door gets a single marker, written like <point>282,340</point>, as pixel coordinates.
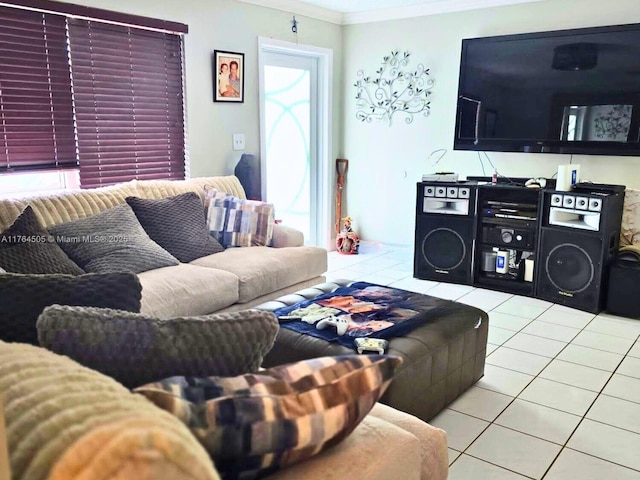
<point>294,141</point>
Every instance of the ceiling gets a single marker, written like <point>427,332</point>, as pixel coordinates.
<point>346,12</point>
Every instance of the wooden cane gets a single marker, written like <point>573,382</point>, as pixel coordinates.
<point>342,165</point>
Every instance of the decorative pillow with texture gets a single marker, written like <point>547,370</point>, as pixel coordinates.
<point>254,424</point>
<point>111,241</point>
<point>24,297</point>
<point>27,247</point>
<point>135,349</point>
<point>236,222</point>
<point>67,422</point>
<point>177,224</point>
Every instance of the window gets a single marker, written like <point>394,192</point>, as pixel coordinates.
<point>36,113</point>
<point>102,97</point>
<point>35,182</point>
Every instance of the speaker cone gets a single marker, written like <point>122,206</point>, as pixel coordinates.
<point>443,249</point>
<point>569,268</point>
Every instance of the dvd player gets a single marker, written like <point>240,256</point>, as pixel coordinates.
<point>510,210</point>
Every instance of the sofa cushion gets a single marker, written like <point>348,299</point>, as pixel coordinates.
<point>60,207</point>
<point>257,423</point>
<point>177,224</point>
<point>67,422</point>
<point>170,188</point>
<point>135,349</point>
<point>186,290</point>
<point>24,297</point>
<point>27,247</point>
<point>237,222</point>
<point>111,241</point>
<point>262,270</point>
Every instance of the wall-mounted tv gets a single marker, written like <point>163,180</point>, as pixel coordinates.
<point>570,91</point>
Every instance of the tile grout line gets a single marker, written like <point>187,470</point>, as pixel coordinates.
<point>585,416</point>
<point>551,359</point>
<point>508,405</point>
<point>495,465</point>
<point>599,458</point>
<point>562,447</point>
<point>582,417</point>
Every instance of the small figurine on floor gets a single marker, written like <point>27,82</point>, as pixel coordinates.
<point>347,241</point>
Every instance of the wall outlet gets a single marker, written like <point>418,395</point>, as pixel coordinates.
<point>238,141</point>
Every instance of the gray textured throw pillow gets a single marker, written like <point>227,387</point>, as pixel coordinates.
<point>136,349</point>
<point>177,224</point>
<point>24,297</point>
<point>27,247</point>
<point>111,241</point>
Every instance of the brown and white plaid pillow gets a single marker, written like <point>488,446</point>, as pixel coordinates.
<point>254,424</point>
<point>236,222</point>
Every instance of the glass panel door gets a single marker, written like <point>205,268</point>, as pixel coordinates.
<point>290,163</point>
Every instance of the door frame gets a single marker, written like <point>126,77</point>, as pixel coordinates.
<point>324,100</point>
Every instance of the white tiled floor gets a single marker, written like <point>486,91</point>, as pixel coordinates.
<point>560,399</point>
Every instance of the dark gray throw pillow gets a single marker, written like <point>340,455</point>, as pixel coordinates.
<point>111,241</point>
<point>27,247</point>
<point>177,224</point>
<point>135,349</point>
<point>24,297</point>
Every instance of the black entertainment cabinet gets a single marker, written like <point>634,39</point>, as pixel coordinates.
<point>507,223</point>
<point>461,227</point>
<point>537,242</point>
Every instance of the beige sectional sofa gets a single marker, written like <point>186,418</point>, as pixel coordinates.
<point>235,279</point>
<point>387,444</point>
<point>54,433</point>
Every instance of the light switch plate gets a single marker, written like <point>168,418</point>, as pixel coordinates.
<point>238,141</point>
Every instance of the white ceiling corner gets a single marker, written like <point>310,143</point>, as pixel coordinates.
<point>343,12</point>
<point>301,8</point>
<point>431,7</point>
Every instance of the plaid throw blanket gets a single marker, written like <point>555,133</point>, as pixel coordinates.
<point>371,310</point>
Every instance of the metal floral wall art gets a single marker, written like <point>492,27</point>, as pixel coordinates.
<point>392,90</point>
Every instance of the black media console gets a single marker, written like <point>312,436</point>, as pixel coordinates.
<point>536,242</point>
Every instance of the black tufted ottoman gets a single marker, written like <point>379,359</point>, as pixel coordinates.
<point>442,358</point>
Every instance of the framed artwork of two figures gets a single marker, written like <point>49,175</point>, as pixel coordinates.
<point>228,76</point>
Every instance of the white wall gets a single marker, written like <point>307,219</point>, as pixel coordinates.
<point>233,26</point>
<point>385,163</point>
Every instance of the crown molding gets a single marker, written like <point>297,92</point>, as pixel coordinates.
<point>431,8</point>
<point>300,8</point>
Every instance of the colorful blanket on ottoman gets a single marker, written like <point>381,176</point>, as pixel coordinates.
<point>368,310</point>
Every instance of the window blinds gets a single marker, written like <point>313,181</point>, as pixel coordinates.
<point>129,106</point>
<point>103,97</point>
<point>36,113</point>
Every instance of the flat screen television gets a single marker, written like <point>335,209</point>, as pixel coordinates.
<point>569,91</point>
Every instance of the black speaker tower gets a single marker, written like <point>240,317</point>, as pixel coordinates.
<point>444,234</point>
<point>579,237</point>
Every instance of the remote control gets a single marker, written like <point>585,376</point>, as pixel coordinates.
<point>371,345</point>
<point>288,318</point>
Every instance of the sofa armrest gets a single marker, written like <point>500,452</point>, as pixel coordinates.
<point>4,449</point>
<point>83,425</point>
<point>433,441</point>
<point>284,236</point>
<point>375,450</point>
